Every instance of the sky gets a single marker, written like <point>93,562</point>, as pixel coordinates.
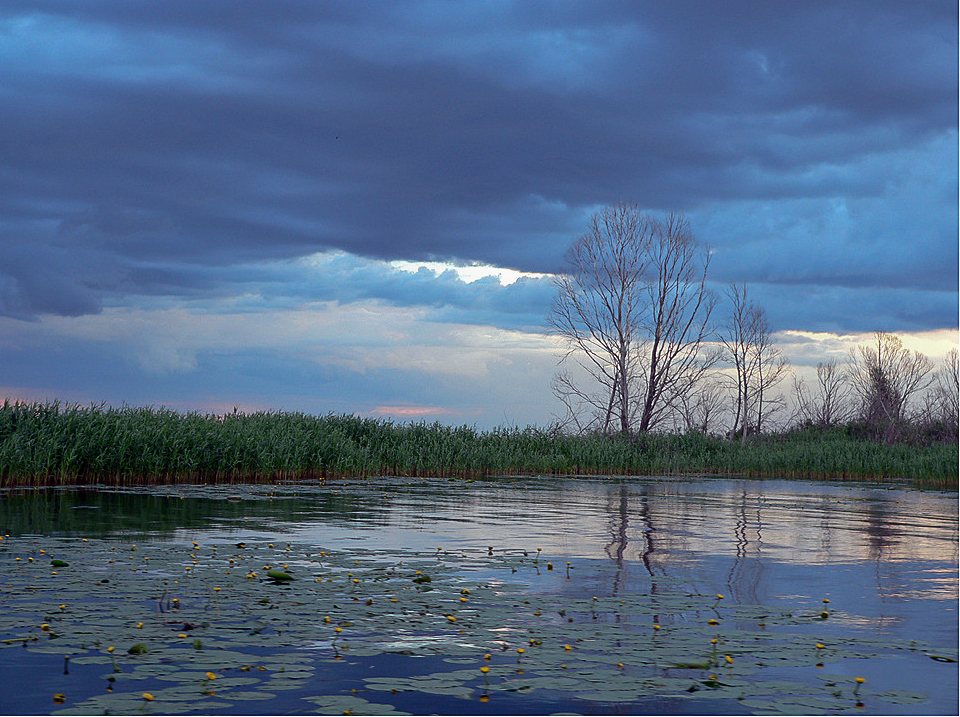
<point>358,207</point>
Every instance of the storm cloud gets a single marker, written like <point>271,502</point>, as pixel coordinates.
<point>276,154</point>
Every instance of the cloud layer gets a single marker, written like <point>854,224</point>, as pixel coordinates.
<point>264,160</point>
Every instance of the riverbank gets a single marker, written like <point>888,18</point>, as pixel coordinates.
<point>53,444</point>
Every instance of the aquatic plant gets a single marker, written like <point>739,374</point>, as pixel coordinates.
<point>261,636</point>
<point>54,444</point>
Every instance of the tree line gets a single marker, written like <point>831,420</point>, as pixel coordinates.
<point>646,351</point>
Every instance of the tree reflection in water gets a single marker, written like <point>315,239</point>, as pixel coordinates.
<point>746,573</point>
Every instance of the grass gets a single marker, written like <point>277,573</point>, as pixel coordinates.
<point>54,444</point>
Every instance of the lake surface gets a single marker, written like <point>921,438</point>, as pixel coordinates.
<point>598,596</point>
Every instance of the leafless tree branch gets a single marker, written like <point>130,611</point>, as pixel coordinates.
<point>633,309</point>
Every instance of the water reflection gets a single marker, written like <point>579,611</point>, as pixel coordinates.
<point>744,578</point>
<point>660,523</point>
<point>872,550</point>
<point>618,525</point>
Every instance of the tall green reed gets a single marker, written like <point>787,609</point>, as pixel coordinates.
<point>54,443</point>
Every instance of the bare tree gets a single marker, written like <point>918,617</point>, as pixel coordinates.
<point>769,369</point>
<point>701,409</point>
<point>829,404</point>
<point>759,366</point>
<point>633,308</point>
<point>678,320</point>
<point>942,405</point>
<point>588,405</point>
<point>948,389</point>
<point>886,376</point>
<point>736,344</point>
<point>598,310</point>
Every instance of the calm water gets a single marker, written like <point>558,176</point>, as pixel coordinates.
<point>885,558</point>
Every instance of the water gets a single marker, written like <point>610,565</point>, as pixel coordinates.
<point>883,562</point>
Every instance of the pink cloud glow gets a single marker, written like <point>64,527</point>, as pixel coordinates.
<point>411,411</point>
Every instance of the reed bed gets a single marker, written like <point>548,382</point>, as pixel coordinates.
<point>54,444</point>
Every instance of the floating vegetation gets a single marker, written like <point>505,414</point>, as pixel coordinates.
<point>197,627</point>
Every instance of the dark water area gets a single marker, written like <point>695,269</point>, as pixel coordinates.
<point>882,560</point>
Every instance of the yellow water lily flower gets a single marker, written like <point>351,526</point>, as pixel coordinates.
<point>148,697</point>
<point>211,676</point>
<point>728,659</point>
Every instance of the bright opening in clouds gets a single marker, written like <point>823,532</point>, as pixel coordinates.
<point>358,206</point>
<point>468,273</point>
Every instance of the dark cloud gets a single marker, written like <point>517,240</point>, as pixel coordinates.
<point>345,278</point>
<point>839,310</point>
<point>149,145</point>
